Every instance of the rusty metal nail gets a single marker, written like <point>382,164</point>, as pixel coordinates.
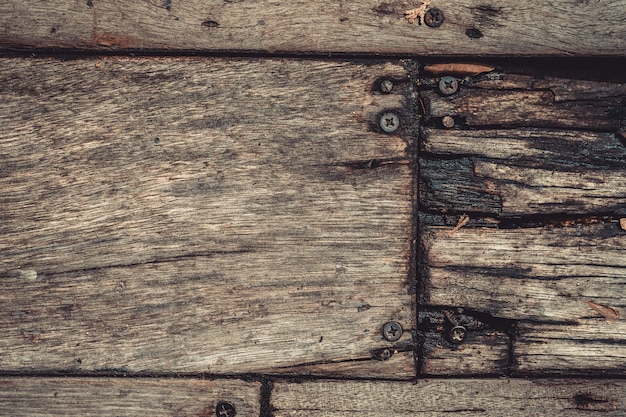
<point>433,18</point>
<point>389,122</point>
<point>448,85</point>
<point>386,86</point>
<point>447,122</point>
<point>224,409</point>
<point>457,334</point>
<point>392,331</point>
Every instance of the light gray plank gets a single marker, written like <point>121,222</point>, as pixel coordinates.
<point>135,397</point>
<point>267,227</point>
<point>471,27</point>
<point>452,397</point>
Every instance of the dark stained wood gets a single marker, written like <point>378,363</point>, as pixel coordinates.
<point>514,172</point>
<point>136,397</point>
<point>471,27</point>
<point>452,397</point>
<point>203,215</point>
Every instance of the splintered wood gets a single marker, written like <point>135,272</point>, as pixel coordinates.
<point>203,215</point>
<point>542,155</point>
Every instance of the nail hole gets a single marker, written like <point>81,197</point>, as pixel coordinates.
<point>474,33</point>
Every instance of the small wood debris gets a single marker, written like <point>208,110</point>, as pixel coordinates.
<point>417,13</point>
<point>608,313</point>
<point>458,68</point>
<point>463,220</point>
<point>622,223</point>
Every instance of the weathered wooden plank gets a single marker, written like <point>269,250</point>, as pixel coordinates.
<point>510,100</point>
<point>565,286</point>
<point>593,346</point>
<point>482,348</point>
<point>202,215</point>
<point>470,27</point>
<point>22,397</point>
<point>517,172</point>
<point>456,397</point>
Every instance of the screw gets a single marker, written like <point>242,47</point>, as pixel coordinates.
<point>389,122</point>
<point>448,85</point>
<point>392,331</point>
<point>224,409</point>
<point>386,86</point>
<point>457,334</point>
<point>447,122</point>
<point>433,18</point>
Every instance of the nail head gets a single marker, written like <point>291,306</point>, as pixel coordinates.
<point>386,86</point>
<point>448,85</point>
<point>458,334</point>
<point>433,18</point>
<point>448,122</point>
<point>389,122</point>
<point>392,331</point>
<point>225,409</point>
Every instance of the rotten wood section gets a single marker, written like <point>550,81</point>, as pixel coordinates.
<point>468,27</point>
<point>131,397</point>
<point>521,204</point>
<point>204,215</point>
<point>452,397</point>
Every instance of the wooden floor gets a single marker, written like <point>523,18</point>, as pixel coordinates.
<point>305,209</point>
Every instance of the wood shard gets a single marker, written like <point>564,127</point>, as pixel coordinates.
<point>608,313</point>
<point>417,13</point>
<point>463,220</point>
<point>458,68</point>
<point>622,223</point>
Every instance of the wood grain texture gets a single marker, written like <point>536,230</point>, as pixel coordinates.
<point>202,215</point>
<point>84,397</point>
<point>471,27</point>
<point>524,145</point>
<point>511,100</point>
<point>564,285</point>
<point>452,397</point>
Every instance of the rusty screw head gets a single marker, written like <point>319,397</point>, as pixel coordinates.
<point>392,331</point>
<point>447,122</point>
<point>224,409</point>
<point>386,86</point>
<point>389,122</point>
<point>457,334</point>
<point>433,18</point>
<point>448,85</point>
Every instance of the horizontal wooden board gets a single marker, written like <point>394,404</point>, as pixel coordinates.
<point>41,397</point>
<point>203,215</point>
<point>452,397</point>
<point>470,27</point>
<point>502,99</point>
<point>564,285</point>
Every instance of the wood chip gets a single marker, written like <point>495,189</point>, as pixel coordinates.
<point>417,13</point>
<point>608,313</point>
<point>622,223</point>
<point>458,68</point>
<point>463,220</point>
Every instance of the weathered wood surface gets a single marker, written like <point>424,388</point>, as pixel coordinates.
<point>134,397</point>
<point>452,397</point>
<point>471,27</point>
<point>203,215</point>
<point>538,164</point>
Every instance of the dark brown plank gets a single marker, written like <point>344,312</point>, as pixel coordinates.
<point>452,397</point>
<point>136,397</point>
<point>203,215</point>
<point>520,172</point>
<point>470,27</point>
